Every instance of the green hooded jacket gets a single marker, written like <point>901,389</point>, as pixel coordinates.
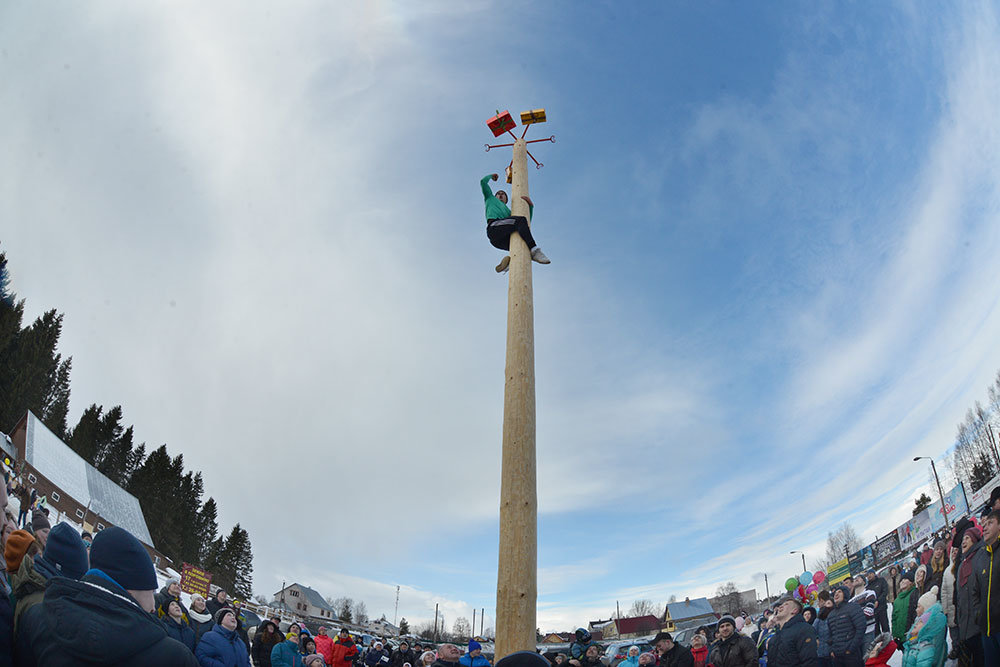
<point>900,614</point>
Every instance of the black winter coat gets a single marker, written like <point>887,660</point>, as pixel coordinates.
<point>985,583</point>
<point>182,632</point>
<point>6,630</point>
<point>399,657</point>
<point>95,621</point>
<point>794,645</point>
<point>678,656</point>
<point>847,625</point>
<point>881,589</point>
<point>737,651</point>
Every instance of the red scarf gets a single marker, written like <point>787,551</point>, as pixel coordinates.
<point>700,656</point>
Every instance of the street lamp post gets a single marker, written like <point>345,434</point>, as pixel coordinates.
<point>944,506</point>
<point>803,559</point>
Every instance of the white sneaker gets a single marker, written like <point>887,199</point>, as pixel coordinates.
<point>504,264</point>
<point>539,256</point>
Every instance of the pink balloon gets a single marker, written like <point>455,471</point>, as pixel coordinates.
<point>812,588</point>
<point>739,623</point>
<point>818,577</point>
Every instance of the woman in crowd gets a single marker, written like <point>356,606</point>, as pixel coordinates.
<point>286,653</point>
<point>948,600</point>
<point>920,580</point>
<point>823,629</point>
<point>892,579</point>
<point>631,658</point>
<point>199,618</point>
<point>939,563</point>
<point>970,646</point>
<point>427,659</point>
<point>175,621</point>
<point>264,640</point>
<point>699,650</point>
<point>222,646</point>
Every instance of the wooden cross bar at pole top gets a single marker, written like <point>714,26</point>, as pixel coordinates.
<point>517,587</point>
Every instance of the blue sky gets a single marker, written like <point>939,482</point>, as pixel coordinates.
<point>773,230</point>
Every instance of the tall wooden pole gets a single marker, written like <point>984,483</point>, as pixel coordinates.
<point>517,587</point>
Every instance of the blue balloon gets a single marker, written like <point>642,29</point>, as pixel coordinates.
<point>806,578</point>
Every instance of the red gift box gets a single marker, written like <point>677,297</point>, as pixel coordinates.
<point>501,123</point>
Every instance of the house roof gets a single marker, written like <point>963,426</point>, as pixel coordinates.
<point>314,598</point>
<point>637,625</point>
<point>50,456</point>
<point>690,609</point>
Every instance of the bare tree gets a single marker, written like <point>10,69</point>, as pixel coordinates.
<point>729,595</point>
<point>462,629</point>
<point>360,612</point>
<point>260,599</point>
<point>673,599</point>
<point>840,543</point>
<point>342,608</point>
<point>489,633</point>
<point>642,607</point>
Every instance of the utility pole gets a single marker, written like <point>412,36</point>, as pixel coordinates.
<point>517,574</point>
<point>435,621</point>
<point>395,614</point>
<point>766,588</point>
<point>473,632</point>
<point>618,608</point>
<point>944,505</point>
<point>482,618</point>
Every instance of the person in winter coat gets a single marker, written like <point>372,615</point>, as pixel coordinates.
<point>286,653</point>
<point>673,654</point>
<point>939,563</point>
<point>427,659</point>
<point>220,600</point>
<point>448,655</point>
<point>881,651</point>
<point>592,658</point>
<point>892,584</point>
<point>823,629</point>
<point>264,640</point>
<point>176,623</point>
<point>344,650</point>
<point>866,600</point>
<point>920,580</point>
<point>970,644</point>
<point>632,656</point>
<point>699,651</point>
<point>170,591</point>
<point>199,618</point>
<point>847,629</point>
<point>324,645</point>
<point>584,640</point>
<point>877,585</point>
<point>222,646</point>
<point>948,600</point>
<point>402,655</point>
<point>377,656</point>
<point>473,658</point>
<point>732,649</point>
<point>307,649</point>
<point>103,619</point>
<point>926,642</point>
<point>901,619</point>
<point>986,588</point>
<point>794,644</point>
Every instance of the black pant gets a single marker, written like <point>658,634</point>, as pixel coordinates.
<point>882,618</point>
<point>498,231</point>
<point>848,661</point>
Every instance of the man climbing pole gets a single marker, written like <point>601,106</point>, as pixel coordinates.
<point>500,224</point>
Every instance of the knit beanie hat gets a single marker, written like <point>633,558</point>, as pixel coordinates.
<point>928,599</point>
<point>219,615</point>
<point>17,545</point>
<point>290,636</point>
<point>974,533</point>
<point>726,618</point>
<point>523,659</point>
<point>474,646</point>
<point>39,520</point>
<point>907,576</point>
<point>65,552</point>
<point>118,554</point>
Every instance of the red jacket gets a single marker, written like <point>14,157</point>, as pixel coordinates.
<point>324,646</point>
<point>700,656</point>
<point>343,653</point>
<point>883,657</point>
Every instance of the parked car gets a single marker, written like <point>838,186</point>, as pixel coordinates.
<point>618,650</point>
<point>684,636</point>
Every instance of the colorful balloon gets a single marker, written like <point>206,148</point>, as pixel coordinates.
<point>811,588</point>
<point>739,623</point>
<point>806,578</point>
<point>796,595</point>
<point>791,583</point>
<point>819,577</point>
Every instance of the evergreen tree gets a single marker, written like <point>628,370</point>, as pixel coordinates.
<point>35,377</point>
<point>404,627</point>
<point>231,563</point>
<point>207,529</point>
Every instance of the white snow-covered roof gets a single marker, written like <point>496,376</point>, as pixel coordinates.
<point>70,472</point>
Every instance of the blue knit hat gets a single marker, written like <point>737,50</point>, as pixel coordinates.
<point>474,646</point>
<point>65,553</point>
<point>118,554</point>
